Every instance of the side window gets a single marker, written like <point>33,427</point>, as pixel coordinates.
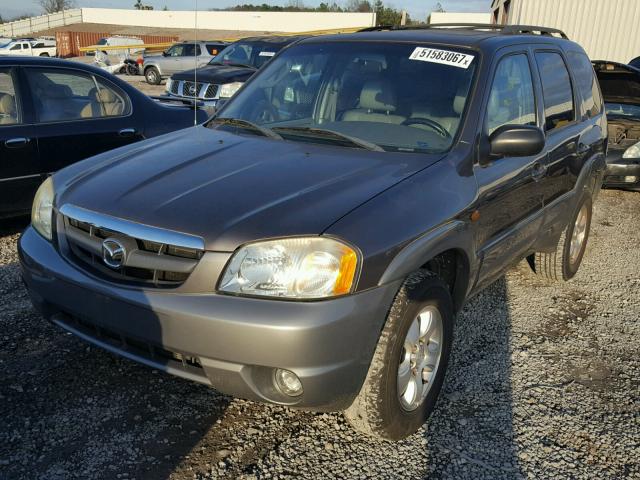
<point>176,51</point>
<point>512,99</point>
<point>213,49</point>
<point>198,51</point>
<point>9,113</point>
<point>556,89</point>
<point>17,46</point>
<point>61,95</point>
<point>187,50</point>
<point>587,83</point>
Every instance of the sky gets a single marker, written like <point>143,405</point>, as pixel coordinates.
<point>418,9</point>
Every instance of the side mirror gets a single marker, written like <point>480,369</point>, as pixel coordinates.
<point>517,141</point>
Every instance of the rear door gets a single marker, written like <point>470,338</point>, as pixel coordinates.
<point>78,115</point>
<point>188,58</point>
<point>562,125</point>
<point>19,168</point>
<point>510,203</point>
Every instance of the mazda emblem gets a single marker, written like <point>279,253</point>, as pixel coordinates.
<point>113,253</point>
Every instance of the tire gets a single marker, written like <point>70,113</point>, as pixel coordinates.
<point>378,410</point>
<point>560,265</point>
<point>152,76</point>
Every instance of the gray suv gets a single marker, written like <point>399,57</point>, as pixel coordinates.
<point>311,244</point>
<point>179,57</point>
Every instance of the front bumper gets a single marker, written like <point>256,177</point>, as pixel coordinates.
<point>231,343</point>
<point>622,173</point>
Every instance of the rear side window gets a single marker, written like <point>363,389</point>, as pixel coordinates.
<point>586,83</point>
<point>63,95</point>
<point>512,100</point>
<point>9,112</point>
<point>556,89</point>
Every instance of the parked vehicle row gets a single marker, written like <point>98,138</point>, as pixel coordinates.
<point>311,243</point>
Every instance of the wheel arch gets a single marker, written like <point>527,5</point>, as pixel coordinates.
<point>446,251</point>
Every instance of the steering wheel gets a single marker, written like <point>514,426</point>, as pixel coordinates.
<point>264,112</point>
<point>429,123</point>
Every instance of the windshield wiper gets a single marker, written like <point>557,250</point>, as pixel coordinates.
<point>358,142</point>
<point>242,65</point>
<point>265,132</point>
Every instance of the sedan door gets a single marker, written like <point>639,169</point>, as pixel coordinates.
<point>78,115</point>
<point>20,172</point>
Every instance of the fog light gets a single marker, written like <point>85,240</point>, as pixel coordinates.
<point>288,382</point>
<point>630,179</point>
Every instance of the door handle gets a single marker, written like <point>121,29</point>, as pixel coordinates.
<point>127,132</point>
<point>538,171</point>
<point>17,142</point>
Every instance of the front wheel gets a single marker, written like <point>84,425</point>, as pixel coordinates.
<point>563,263</point>
<point>409,363</point>
<point>152,75</point>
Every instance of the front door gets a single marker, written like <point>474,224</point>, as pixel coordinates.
<point>19,168</point>
<point>79,115</point>
<point>510,201</point>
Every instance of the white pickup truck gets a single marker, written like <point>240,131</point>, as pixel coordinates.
<point>30,47</point>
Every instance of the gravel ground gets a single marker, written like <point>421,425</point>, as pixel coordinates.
<point>544,383</point>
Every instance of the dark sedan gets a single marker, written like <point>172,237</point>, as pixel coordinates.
<point>620,86</point>
<point>226,72</point>
<point>55,112</point>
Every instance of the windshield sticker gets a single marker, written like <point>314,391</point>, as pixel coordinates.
<point>266,54</point>
<point>445,57</point>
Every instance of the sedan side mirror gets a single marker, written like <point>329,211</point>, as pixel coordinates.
<point>517,141</point>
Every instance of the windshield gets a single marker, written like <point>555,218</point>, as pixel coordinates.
<point>623,110</point>
<point>102,41</point>
<point>400,97</point>
<point>251,54</point>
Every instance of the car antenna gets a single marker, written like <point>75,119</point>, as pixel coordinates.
<point>195,70</point>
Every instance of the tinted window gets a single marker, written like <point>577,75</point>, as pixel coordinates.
<point>9,114</point>
<point>62,96</point>
<point>176,51</point>
<point>17,46</point>
<point>214,48</point>
<point>556,88</point>
<point>512,99</point>
<point>586,83</point>
<point>188,50</point>
<point>386,94</point>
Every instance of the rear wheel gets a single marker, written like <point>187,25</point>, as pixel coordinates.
<point>408,366</point>
<point>563,263</point>
<point>152,75</point>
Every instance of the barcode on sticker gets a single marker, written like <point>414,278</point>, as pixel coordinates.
<point>266,54</point>
<point>445,57</point>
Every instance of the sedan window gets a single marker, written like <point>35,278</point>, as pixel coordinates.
<point>9,114</point>
<point>60,95</point>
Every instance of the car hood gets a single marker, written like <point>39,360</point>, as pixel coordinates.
<point>216,74</point>
<point>619,83</point>
<point>231,189</point>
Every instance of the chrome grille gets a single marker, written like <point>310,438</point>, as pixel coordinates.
<point>191,89</point>
<point>174,87</point>
<point>212,91</point>
<point>153,256</point>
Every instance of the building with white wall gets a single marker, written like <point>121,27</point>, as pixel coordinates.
<point>606,29</point>
<point>459,17</point>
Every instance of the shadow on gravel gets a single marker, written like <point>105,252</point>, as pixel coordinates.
<point>71,410</point>
<point>11,226</point>
<point>473,424</point>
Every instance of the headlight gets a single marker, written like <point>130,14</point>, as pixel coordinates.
<point>42,210</point>
<point>229,89</point>
<point>303,268</point>
<point>632,152</point>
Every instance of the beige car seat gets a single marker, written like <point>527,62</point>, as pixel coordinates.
<point>378,102</point>
<point>8,111</point>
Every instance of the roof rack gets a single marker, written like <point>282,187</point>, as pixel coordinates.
<point>504,29</point>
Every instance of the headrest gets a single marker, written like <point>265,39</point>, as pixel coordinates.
<point>378,95</point>
<point>460,99</point>
<point>106,96</point>
<point>7,104</point>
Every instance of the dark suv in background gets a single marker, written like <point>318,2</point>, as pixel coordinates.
<point>311,244</point>
<point>227,71</point>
